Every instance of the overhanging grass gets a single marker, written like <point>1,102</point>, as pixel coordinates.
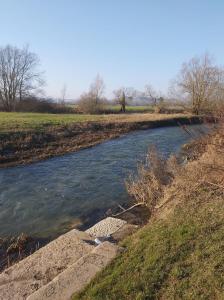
<point>178,258</point>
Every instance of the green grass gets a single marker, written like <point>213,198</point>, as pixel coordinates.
<point>178,258</point>
<point>131,108</point>
<point>24,121</point>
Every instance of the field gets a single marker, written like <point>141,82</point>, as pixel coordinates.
<point>40,122</point>
<point>129,108</point>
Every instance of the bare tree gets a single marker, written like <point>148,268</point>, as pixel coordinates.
<point>151,93</point>
<point>123,95</point>
<point>19,76</point>
<point>120,98</point>
<point>97,89</point>
<point>200,81</point>
<point>93,100</point>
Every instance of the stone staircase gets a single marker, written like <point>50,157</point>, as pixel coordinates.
<point>59,269</point>
<point>76,276</point>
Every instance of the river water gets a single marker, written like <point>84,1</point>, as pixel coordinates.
<point>45,198</point>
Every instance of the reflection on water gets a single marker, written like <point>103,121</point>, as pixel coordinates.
<point>43,198</point>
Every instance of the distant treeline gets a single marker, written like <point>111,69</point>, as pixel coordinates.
<point>41,105</point>
<point>199,87</point>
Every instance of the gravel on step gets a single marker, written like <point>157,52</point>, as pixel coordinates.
<point>106,227</point>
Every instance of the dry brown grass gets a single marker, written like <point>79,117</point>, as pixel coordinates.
<point>142,117</point>
<point>153,176</point>
<point>204,174</point>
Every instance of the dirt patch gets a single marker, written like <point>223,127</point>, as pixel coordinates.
<point>22,147</point>
<point>139,215</point>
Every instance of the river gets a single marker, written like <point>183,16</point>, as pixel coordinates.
<point>45,199</point>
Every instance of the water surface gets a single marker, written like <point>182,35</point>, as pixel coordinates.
<point>43,198</point>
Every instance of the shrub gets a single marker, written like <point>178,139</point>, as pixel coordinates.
<point>36,105</point>
<point>152,177</point>
<point>90,104</point>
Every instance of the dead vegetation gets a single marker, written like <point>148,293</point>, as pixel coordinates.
<point>15,248</point>
<point>157,177</point>
<point>152,177</point>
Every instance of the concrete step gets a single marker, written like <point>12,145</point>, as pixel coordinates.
<point>78,275</point>
<point>106,227</point>
<point>40,268</point>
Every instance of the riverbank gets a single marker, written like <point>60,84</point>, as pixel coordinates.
<point>30,138</point>
<point>179,253</point>
<point>15,248</point>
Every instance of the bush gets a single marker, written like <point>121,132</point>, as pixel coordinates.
<point>91,105</point>
<point>41,106</point>
<point>152,177</point>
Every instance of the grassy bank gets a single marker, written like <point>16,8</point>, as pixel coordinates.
<point>31,137</point>
<point>179,254</point>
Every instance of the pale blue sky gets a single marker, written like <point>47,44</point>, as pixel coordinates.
<point>128,42</point>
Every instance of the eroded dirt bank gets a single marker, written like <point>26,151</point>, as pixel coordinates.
<point>21,147</point>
